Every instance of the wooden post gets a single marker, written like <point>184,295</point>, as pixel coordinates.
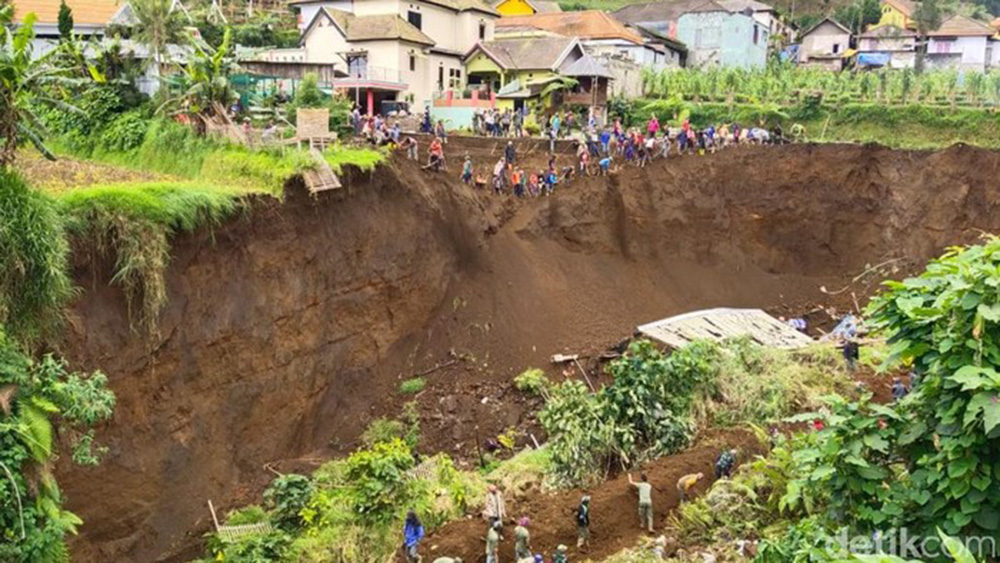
<point>215,519</point>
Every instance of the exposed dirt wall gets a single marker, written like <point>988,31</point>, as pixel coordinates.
<point>289,328</point>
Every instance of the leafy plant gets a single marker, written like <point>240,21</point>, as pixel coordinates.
<point>35,396</point>
<point>533,381</point>
<point>378,478</point>
<point>25,80</point>
<point>287,496</point>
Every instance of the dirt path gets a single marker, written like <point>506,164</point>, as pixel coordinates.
<point>614,518</point>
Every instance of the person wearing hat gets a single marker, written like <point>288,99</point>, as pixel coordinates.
<point>493,543</point>
<point>522,540</point>
<point>560,555</point>
<point>583,522</point>
<point>509,153</point>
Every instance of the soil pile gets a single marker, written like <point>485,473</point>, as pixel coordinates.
<point>289,329</point>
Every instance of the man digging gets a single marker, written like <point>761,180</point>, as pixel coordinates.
<point>645,500</point>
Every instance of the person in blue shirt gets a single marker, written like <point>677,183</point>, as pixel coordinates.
<point>413,532</point>
<point>605,165</point>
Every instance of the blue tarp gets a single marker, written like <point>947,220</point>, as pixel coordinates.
<point>873,59</point>
<point>790,53</point>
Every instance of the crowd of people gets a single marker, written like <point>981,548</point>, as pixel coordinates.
<point>496,516</point>
<point>598,152</point>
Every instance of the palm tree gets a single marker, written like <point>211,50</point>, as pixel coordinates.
<point>25,84</point>
<point>159,27</point>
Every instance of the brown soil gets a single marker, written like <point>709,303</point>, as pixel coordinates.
<point>615,521</point>
<point>290,328</point>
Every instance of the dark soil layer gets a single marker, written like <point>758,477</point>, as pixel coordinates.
<point>290,328</point>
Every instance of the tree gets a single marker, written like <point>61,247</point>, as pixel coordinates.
<point>25,84</point>
<point>205,81</point>
<point>859,15</point>
<point>65,21</point>
<point>159,27</point>
<point>927,16</point>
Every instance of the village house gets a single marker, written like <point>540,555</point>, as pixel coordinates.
<point>599,33</point>
<point>384,50</point>
<point>525,7</point>
<point>824,45</point>
<point>715,36</point>
<point>90,19</point>
<point>519,71</point>
<point>961,43</point>
<point>763,13</point>
<point>896,13</point>
<point>888,46</point>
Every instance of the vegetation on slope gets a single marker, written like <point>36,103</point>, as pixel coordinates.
<point>33,260</point>
<point>133,224</point>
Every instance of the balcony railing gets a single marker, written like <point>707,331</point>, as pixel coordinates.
<point>372,72</point>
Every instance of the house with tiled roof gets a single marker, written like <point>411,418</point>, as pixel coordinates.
<point>961,43</point>
<point>383,50</point>
<point>90,17</point>
<point>599,33</point>
<point>824,45</point>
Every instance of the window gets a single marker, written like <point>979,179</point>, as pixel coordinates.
<point>455,78</point>
<point>357,66</point>
<point>413,62</point>
<point>440,78</point>
<point>482,30</point>
<point>756,34</point>
<point>415,19</point>
<point>836,48</point>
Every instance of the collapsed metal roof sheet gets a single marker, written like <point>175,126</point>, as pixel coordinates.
<point>721,323</point>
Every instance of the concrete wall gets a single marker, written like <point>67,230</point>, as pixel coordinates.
<point>827,39</point>
<point>723,39</point>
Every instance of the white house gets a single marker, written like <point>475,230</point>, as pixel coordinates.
<point>895,47</point>
<point>380,50</point>
<point>961,43</point>
<point>824,44</point>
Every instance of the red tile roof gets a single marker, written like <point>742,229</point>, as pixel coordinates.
<point>591,24</point>
<point>85,12</point>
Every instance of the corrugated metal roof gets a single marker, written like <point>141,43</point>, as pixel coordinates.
<point>586,66</point>
<point>718,324</point>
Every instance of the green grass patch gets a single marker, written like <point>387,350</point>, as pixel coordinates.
<point>133,224</point>
<point>413,385</point>
<point>366,159</point>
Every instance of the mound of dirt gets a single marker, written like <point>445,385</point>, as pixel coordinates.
<point>615,521</point>
<point>289,329</point>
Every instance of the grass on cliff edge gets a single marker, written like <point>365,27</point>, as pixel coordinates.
<point>175,150</point>
<point>133,224</point>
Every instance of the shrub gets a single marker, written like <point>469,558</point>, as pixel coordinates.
<point>413,385</point>
<point>378,480</point>
<point>126,132</point>
<point>533,382</point>
<point>34,283</point>
<point>287,496</point>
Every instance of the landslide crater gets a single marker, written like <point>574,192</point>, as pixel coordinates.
<point>288,329</point>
